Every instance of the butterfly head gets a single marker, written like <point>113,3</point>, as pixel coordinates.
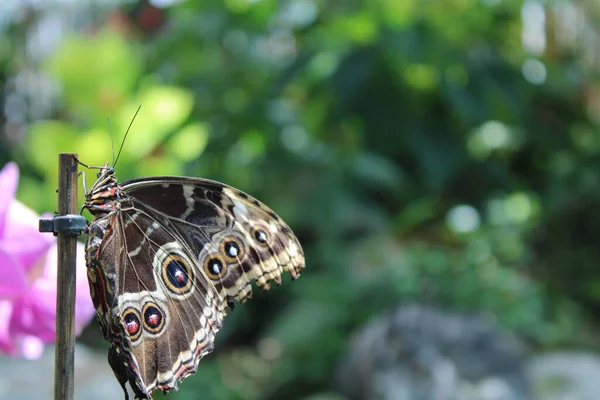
<point>105,171</point>
<point>105,194</point>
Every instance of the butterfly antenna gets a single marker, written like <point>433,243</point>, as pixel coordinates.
<point>112,142</point>
<point>125,137</point>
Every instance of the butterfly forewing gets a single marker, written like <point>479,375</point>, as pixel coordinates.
<point>238,227</point>
<point>166,256</point>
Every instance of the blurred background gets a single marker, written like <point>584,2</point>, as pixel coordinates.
<point>438,160</point>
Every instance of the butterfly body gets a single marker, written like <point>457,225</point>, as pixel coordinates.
<point>166,258</point>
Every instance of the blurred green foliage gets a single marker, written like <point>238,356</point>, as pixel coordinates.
<point>401,141</point>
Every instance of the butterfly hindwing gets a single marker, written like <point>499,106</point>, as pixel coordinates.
<point>164,314</point>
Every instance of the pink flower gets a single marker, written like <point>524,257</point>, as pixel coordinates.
<point>28,277</point>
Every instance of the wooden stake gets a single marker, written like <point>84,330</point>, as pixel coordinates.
<point>65,290</point>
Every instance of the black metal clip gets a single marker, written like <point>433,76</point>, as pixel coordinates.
<point>70,224</point>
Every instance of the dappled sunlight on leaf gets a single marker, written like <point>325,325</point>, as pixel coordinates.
<point>97,72</point>
<point>189,143</point>
<point>94,147</point>
<point>361,27</point>
<point>158,166</point>
<point>45,140</point>
<point>163,109</point>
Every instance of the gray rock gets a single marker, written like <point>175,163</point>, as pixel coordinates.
<point>421,353</point>
<point>565,376</point>
<point>34,379</point>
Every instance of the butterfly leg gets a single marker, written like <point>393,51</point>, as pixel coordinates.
<point>82,173</point>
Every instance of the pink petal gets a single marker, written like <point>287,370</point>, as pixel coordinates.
<point>12,277</point>
<point>9,178</point>
<point>21,236</point>
<point>84,307</point>
<point>44,295</point>
<point>28,268</point>
<point>29,318</point>
<point>6,344</point>
<point>30,347</point>
<point>34,313</point>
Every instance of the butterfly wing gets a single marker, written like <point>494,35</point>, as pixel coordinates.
<point>189,248</point>
<point>248,234</point>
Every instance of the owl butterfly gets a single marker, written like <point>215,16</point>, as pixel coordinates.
<point>166,257</point>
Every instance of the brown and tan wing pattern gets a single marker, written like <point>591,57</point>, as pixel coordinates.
<point>167,262</point>
<point>164,313</point>
<point>244,237</point>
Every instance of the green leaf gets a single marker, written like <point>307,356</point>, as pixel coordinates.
<point>163,109</point>
<point>97,72</point>
<point>45,140</point>
<point>189,142</point>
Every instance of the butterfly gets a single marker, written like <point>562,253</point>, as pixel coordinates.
<point>166,258</point>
